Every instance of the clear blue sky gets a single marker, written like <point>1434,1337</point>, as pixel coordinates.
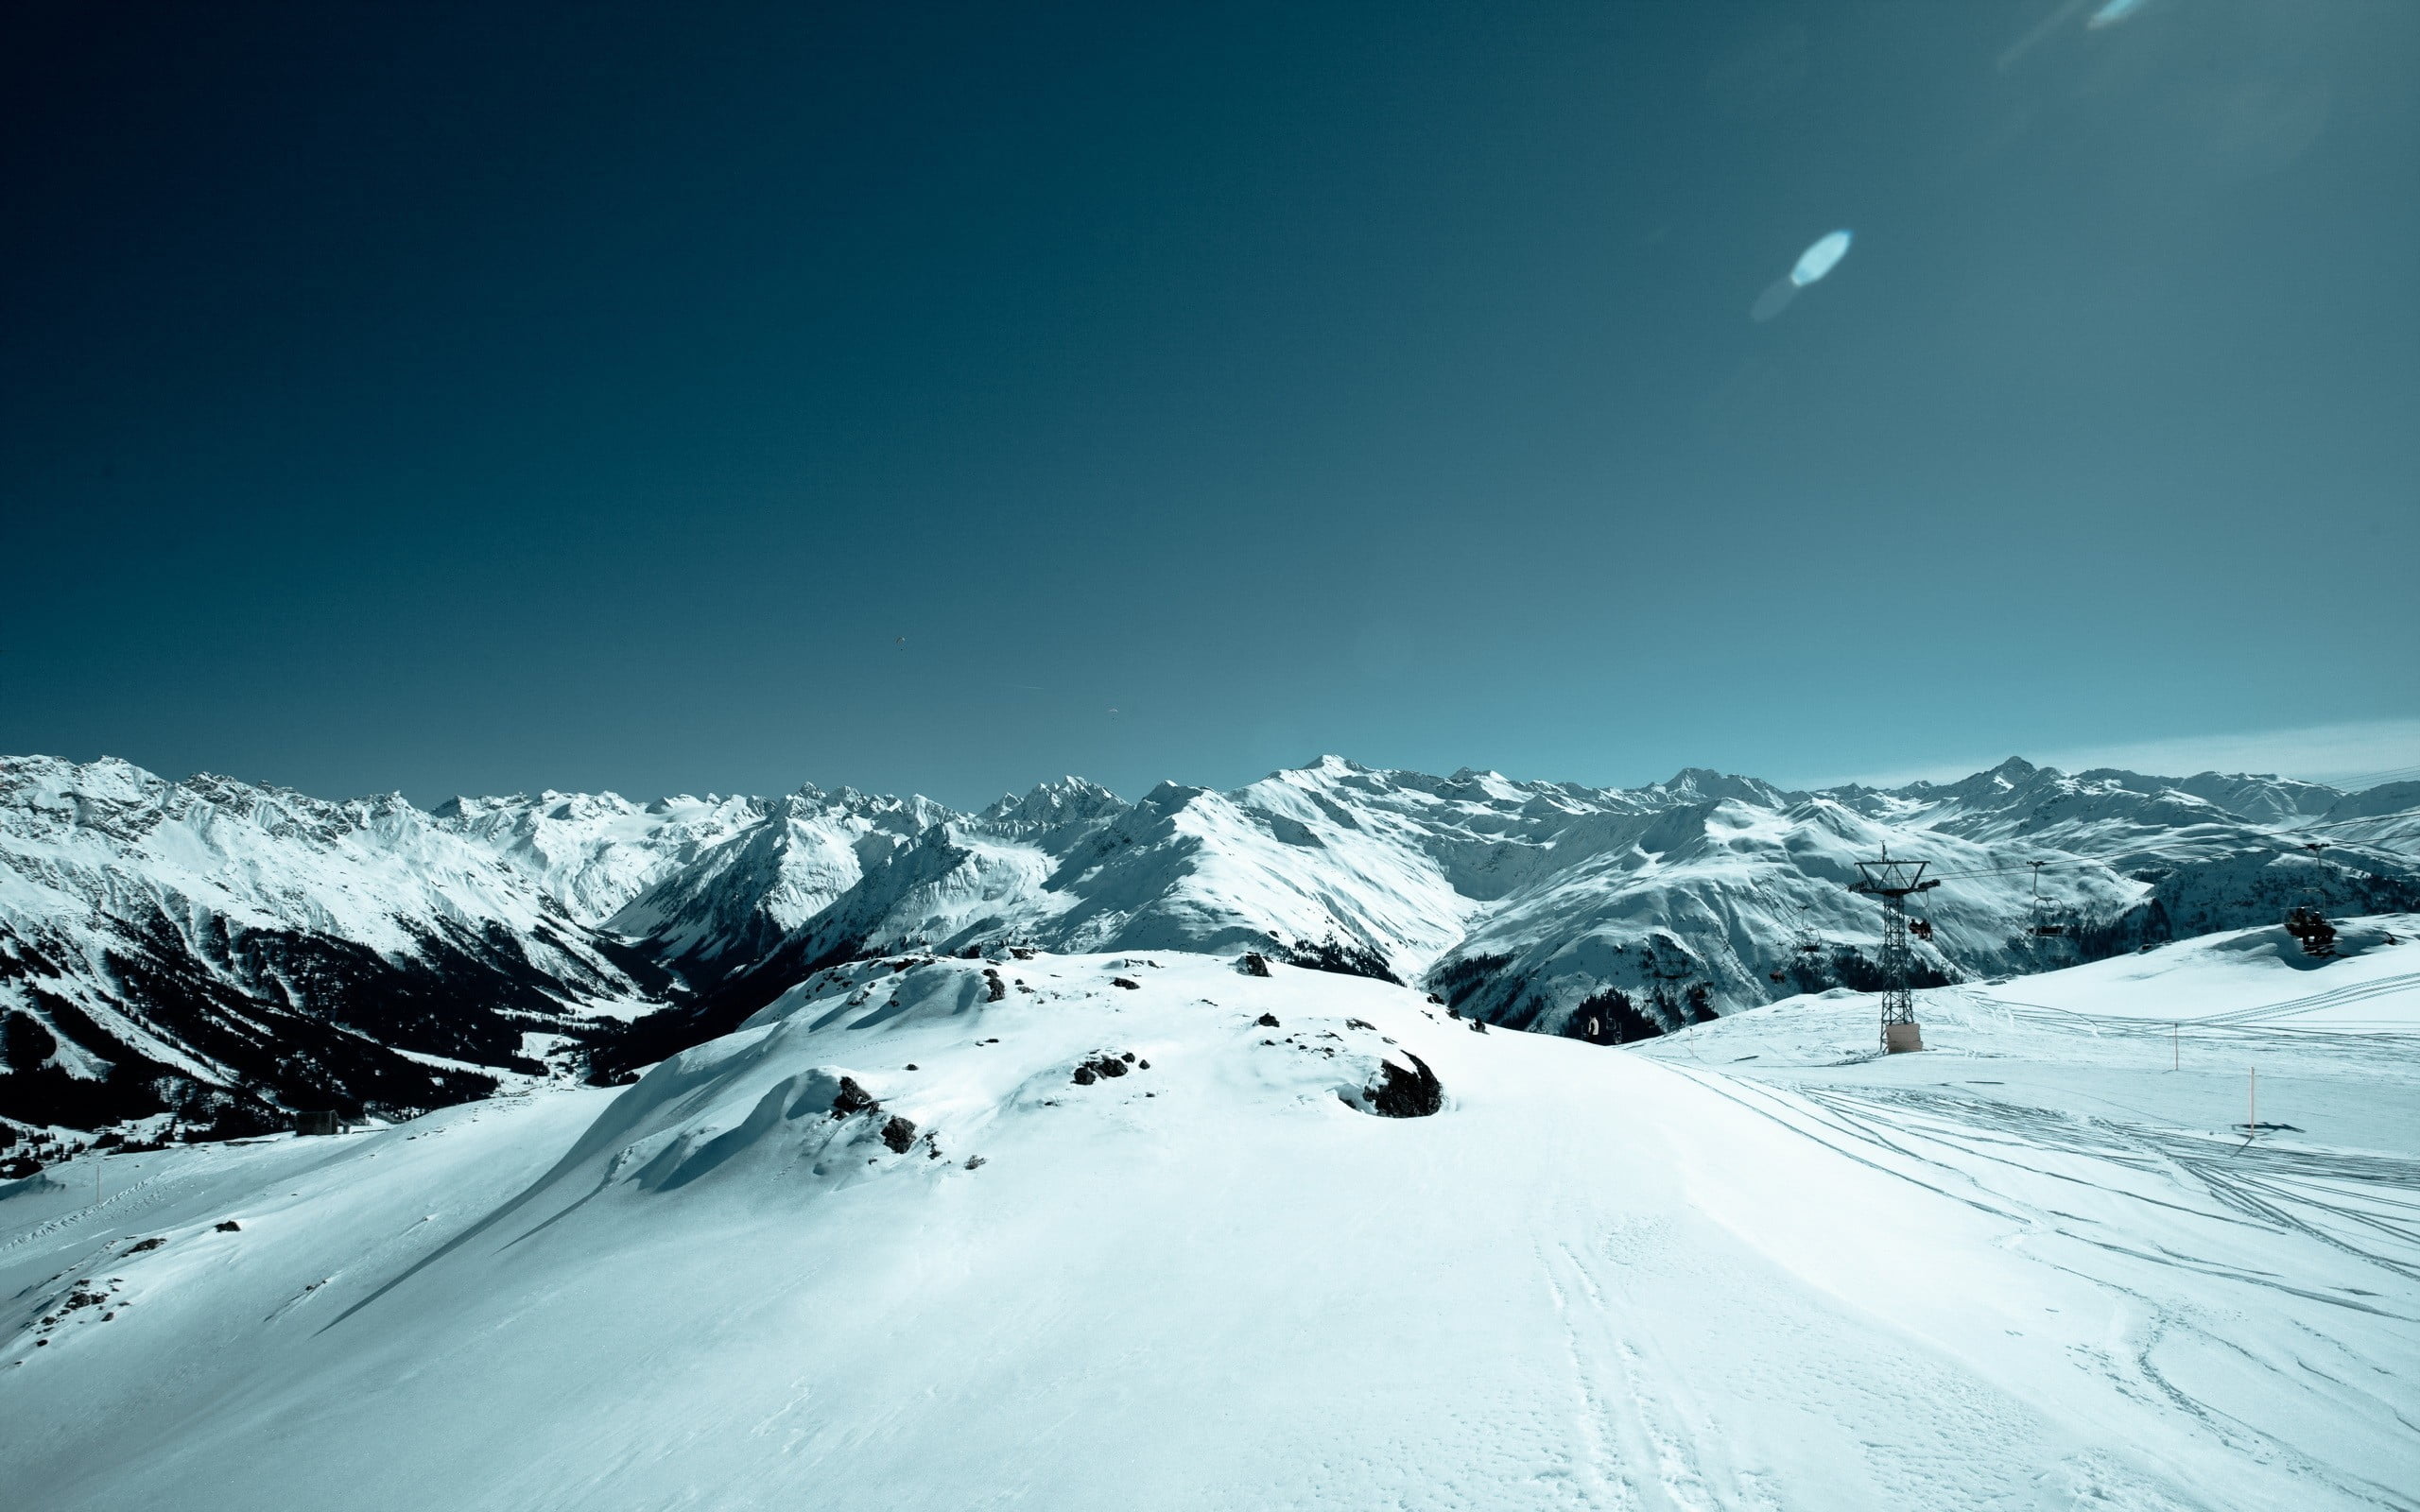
<point>478,397</point>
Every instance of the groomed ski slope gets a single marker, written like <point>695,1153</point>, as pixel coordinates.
<point>2012,1272</point>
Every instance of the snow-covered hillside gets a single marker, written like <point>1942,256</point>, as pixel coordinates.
<point>923,1235</point>
<point>209,948</point>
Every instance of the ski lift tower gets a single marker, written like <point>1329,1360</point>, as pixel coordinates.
<point>1892,882</point>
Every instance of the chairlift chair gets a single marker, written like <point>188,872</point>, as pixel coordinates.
<point>2308,920</point>
<point>2045,924</point>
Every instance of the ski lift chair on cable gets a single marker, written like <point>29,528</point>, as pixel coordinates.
<point>2045,924</point>
<point>2308,920</point>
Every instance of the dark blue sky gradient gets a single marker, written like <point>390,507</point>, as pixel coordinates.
<point>439,397</point>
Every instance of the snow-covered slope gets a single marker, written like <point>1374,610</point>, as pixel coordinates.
<point>1538,904</point>
<point>2387,817</point>
<point>906,1241</point>
<point>206,946</point>
<point>728,905</point>
<point>594,854</point>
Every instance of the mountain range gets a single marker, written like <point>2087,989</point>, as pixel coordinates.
<point>212,953</point>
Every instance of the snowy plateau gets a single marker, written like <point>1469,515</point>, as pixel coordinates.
<point>1353,1139</point>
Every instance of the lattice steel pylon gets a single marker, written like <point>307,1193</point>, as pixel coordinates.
<point>1891,882</point>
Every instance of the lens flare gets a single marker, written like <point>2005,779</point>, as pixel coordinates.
<point>1820,259</point>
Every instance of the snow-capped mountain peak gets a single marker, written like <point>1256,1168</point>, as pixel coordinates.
<point>148,923</point>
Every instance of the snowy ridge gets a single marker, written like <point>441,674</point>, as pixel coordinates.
<point>733,901</point>
<point>594,854</point>
<point>256,947</point>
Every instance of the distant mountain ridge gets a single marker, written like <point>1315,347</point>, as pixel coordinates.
<point>213,949</point>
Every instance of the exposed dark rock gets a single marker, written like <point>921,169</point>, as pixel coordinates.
<point>1084,1076</point>
<point>899,1134</point>
<point>994,989</point>
<point>1400,1093</point>
<point>1119,981</point>
<point>1359,1024</point>
<point>148,1244</point>
<point>231,1227</point>
<point>1253,964</point>
<point>852,1099</point>
<point>1128,1058</point>
<point>972,1161</point>
<point>1267,1021</point>
<point>1477,1025</point>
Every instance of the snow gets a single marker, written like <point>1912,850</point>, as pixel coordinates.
<point>1750,1266</point>
<point>108,837</point>
<point>594,853</point>
<point>1530,897</point>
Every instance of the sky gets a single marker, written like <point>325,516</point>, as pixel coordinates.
<point>942,397</point>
